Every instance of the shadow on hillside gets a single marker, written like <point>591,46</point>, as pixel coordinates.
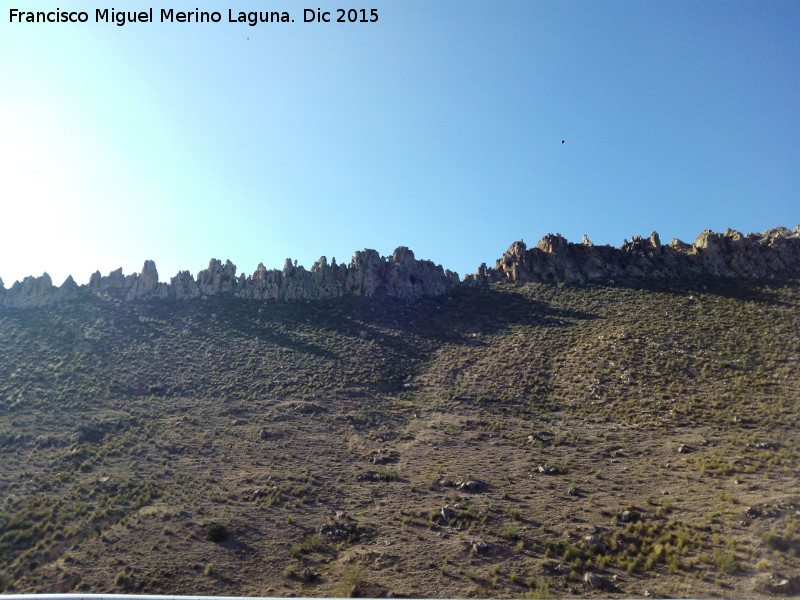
<point>460,318</point>
<point>293,343</point>
<point>753,290</point>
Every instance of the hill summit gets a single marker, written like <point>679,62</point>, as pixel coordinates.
<point>773,253</point>
<point>776,252</point>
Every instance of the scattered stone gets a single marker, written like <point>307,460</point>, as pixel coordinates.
<point>470,485</point>
<point>766,446</point>
<point>253,494</point>
<point>785,586</point>
<point>594,544</point>
<point>447,514</point>
<point>375,476</point>
<point>554,568</point>
<point>46,440</point>
<point>382,456</point>
<point>593,580</point>
<point>752,512</point>
<point>481,547</point>
<point>341,531</point>
<point>307,408</point>
<point>629,516</point>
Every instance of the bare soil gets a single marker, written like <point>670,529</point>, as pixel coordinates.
<point>508,442</point>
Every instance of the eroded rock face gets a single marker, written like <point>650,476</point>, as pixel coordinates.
<point>31,291</point>
<point>774,253</point>
<point>368,274</point>
<point>183,286</point>
<point>144,284</point>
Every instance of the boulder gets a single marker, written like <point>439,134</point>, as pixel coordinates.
<point>447,514</point>
<point>593,580</point>
<point>594,544</point>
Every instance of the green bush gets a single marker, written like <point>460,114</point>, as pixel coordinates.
<point>216,533</point>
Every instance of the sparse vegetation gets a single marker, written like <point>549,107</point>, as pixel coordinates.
<point>130,438</point>
<point>216,533</point>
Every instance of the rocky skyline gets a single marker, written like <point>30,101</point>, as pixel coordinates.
<point>773,253</point>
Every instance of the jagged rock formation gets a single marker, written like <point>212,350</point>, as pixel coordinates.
<point>775,252</point>
<point>368,274</point>
<point>31,290</point>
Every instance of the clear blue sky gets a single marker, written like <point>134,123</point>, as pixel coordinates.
<point>438,128</point>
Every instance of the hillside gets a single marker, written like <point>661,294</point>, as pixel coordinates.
<point>644,434</point>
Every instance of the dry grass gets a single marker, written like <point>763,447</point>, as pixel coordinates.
<point>129,431</point>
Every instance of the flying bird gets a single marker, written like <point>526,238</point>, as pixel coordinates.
<point>562,141</point>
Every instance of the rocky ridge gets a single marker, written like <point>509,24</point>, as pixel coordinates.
<point>773,253</point>
<point>400,275</point>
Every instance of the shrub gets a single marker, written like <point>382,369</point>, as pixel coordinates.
<point>216,533</point>
<point>509,530</point>
<point>725,561</point>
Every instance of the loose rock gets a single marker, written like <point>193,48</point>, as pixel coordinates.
<point>447,514</point>
<point>629,516</point>
<point>470,486</point>
<point>593,580</point>
<point>594,544</point>
<point>481,547</point>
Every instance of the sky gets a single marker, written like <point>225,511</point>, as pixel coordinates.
<point>438,127</point>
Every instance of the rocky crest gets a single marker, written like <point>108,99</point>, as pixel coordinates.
<point>401,276</point>
<point>774,253</point>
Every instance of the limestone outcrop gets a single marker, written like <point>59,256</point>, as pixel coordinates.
<point>368,274</point>
<point>774,253</point>
<point>146,283</point>
<point>31,291</point>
